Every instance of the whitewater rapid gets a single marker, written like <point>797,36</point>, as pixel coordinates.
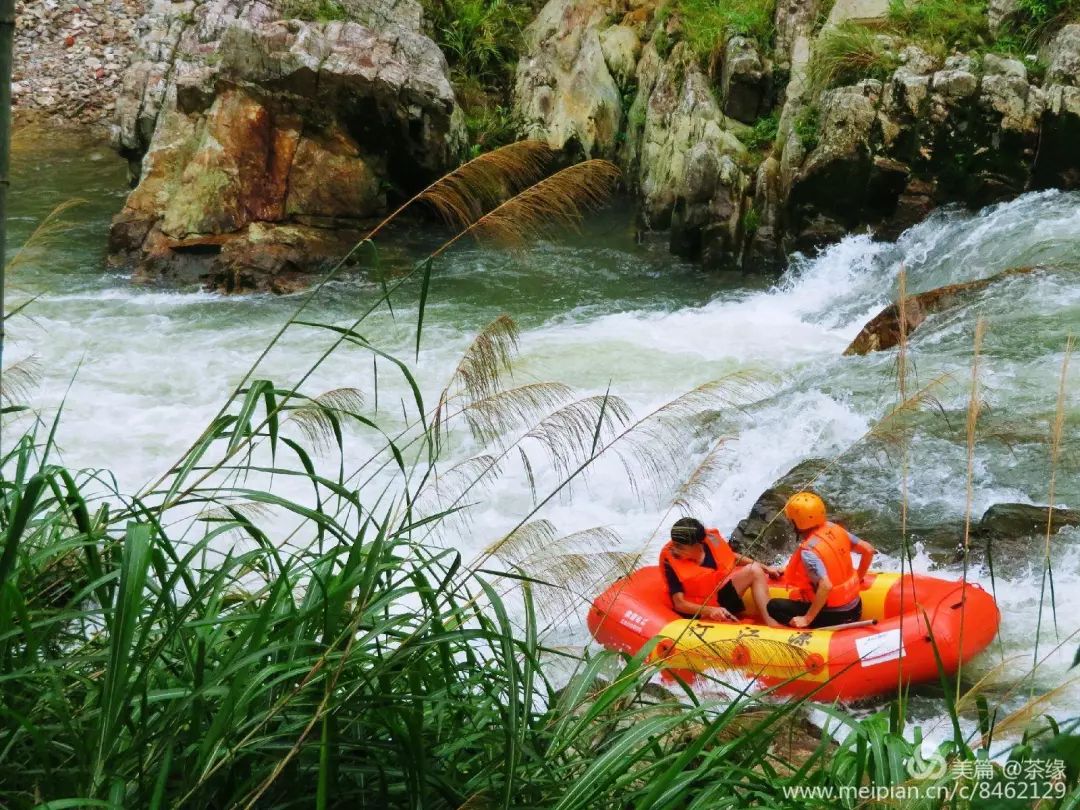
<point>141,371</point>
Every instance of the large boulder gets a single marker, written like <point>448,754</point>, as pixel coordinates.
<point>1057,164</point>
<point>565,93</point>
<point>261,144</point>
<point>682,158</point>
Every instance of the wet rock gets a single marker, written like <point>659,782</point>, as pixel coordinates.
<point>564,92</point>
<point>1016,520</point>
<point>766,531</point>
<point>884,329</point>
<point>1056,164</point>
<point>261,144</point>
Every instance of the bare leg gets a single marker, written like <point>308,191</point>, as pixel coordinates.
<point>753,577</point>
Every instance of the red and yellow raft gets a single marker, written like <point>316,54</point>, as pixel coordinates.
<point>913,613</point>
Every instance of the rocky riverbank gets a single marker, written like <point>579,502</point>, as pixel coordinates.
<point>263,132</point>
<point>70,56</point>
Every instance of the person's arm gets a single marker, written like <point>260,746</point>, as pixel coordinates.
<point>683,605</point>
<point>772,571</point>
<point>865,552</point>
<point>821,596</point>
<point>712,612</point>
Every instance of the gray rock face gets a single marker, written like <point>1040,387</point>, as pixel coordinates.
<point>260,143</point>
<point>565,93</point>
<point>744,83</point>
<point>1062,56</point>
<point>1001,12</point>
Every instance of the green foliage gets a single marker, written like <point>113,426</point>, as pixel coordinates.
<point>763,133</point>
<point>482,41</point>
<point>707,24</point>
<point>490,126</point>
<point>481,38</point>
<point>960,24</point>
<point>315,10</point>
<point>848,53</point>
<point>807,126</point>
<point>752,221</point>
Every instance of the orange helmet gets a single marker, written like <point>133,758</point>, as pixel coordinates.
<point>806,510</point>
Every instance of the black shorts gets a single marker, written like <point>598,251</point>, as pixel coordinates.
<point>784,610</point>
<point>729,599</point>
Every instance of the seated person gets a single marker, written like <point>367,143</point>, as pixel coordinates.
<point>822,581</point>
<point>702,578</point>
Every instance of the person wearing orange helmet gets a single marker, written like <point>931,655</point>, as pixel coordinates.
<point>822,581</point>
<point>707,578</point>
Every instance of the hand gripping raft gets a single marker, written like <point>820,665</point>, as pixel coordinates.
<point>913,613</point>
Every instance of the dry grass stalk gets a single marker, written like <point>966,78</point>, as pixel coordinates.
<point>559,201</point>
<point>470,191</point>
<point>1057,429</point>
<point>18,380</point>
<point>975,407</point>
<point>482,182</point>
<point>491,418</point>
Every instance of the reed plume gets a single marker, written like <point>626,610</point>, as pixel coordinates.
<point>561,200</point>
<point>45,234</point>
<point>464,195</point>
<point>319,419</point>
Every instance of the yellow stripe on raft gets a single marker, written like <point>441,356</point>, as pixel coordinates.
<point>772,652</point>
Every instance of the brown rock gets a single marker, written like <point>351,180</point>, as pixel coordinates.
<point>883,331</point>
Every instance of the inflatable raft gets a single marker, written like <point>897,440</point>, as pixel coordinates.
<point>913,613</point>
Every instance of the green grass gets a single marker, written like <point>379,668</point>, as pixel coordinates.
<point>848,53</point>
<point>482,41</point>
<point>946,24</point>
<point>707,24</point>
<point>808,126</point>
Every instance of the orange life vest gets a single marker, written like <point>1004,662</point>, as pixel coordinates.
<point>832,545</point>
<point>700,584</point>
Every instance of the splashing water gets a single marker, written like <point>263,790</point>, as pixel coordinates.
<point>148,368</point>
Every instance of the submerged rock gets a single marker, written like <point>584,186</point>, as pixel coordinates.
<point>884,329</point>
<point>261,144</point>
<point>1020,520</point>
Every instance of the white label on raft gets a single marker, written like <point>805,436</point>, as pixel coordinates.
<point>880,647</point>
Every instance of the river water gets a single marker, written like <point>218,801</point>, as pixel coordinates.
<point>144,369</point>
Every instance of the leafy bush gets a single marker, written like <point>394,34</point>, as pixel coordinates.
<point>763,133</point>
<point>481,38</point>
<point>848,53</point>
<point>707,24</point>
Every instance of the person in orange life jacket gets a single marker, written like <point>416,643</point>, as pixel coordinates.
<point>702,578</point>
<point>820,574</point>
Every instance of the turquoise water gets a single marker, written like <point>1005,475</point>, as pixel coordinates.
<point>148,367</point>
